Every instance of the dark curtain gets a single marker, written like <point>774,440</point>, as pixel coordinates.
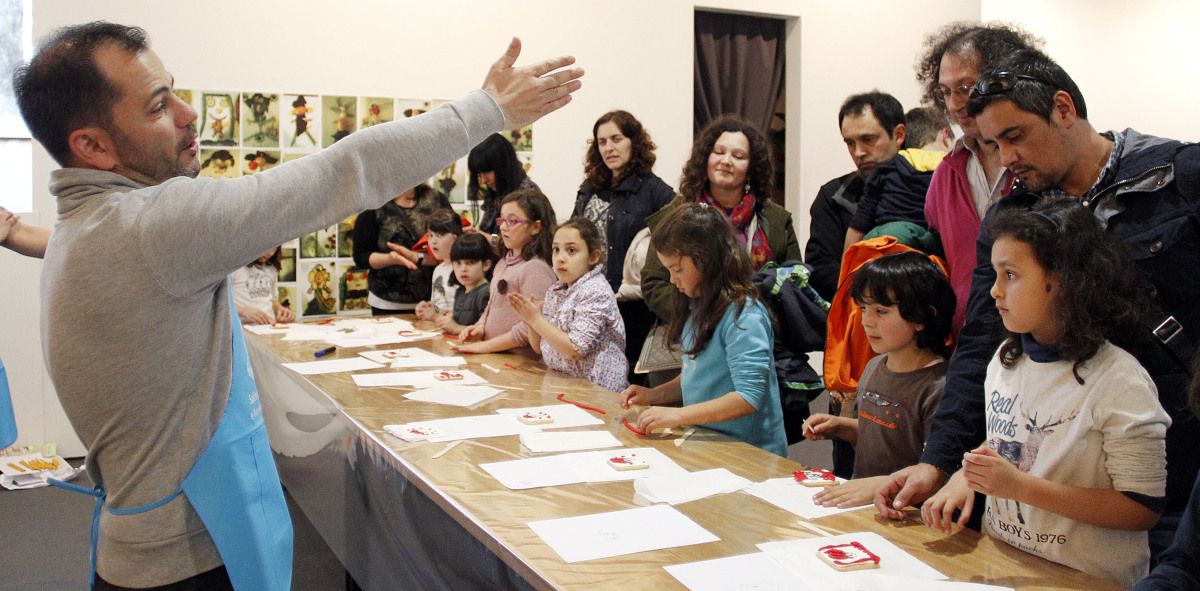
<point>738,67</point>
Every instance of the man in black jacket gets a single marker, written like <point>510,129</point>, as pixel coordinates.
<point>872,125</point>
<point>1146,190</point>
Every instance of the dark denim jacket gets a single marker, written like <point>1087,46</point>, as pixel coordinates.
<point>630,203</point>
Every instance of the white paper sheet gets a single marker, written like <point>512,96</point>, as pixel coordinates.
<point>309,332</point>
<point>880,582</point>
<point>311,368</point>
<point>618,533</point>
<point>416,379</point>
<point>412,357</point>
<point>535,472</point>
<point>800,557</point>
<point>786,493</point>
<point>473,427</point>
<point>564,415</point>
<point>681,488</point>
<point>265,329</point>
<point>573,468</point>
<point>374,338</point>
<point>560,441</point>
<point>454,395</point>
<point>747,572</point>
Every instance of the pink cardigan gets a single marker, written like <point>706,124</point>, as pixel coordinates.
<point>950,211</point>
<point>532,278</point>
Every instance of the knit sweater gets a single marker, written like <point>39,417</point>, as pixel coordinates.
<point>136,310</point>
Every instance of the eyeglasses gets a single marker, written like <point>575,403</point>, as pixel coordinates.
<point>1001,83</point>
<point>942,93</point>
<point>503,221</point>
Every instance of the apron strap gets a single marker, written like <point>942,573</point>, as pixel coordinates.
<point>100,495</point>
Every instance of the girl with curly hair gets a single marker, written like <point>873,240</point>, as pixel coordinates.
<point>730,169</point>
<point>1074,467</point>
<point>728,381</point>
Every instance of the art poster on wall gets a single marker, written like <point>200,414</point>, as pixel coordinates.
<point>247,132</point>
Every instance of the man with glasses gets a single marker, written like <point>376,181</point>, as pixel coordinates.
<point>965,184</point>
<point>970,178</point>
<point>1145,191</point>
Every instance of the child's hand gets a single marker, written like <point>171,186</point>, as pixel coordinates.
<point>938,511</point>
<point>253,316</point>
<point>659,417</point>
<point>425,310</point>
<point>989,473</point>
<point>637,396</point>
<point>526,307</point>
<point>852,493</point>
<point>820,426</point>
<point>476,347</point>
<point>445,321</point>
<point>284,315</point>
<point>471,333</point>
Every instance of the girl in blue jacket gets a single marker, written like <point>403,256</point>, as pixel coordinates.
<point>728,381</point>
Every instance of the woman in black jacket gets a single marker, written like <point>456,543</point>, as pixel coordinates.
<point>620,190</point>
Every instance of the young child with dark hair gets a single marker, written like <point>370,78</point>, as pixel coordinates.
<point>526,224</point>
<point>728,382</point>
<point>472,258</point>
<point>1074,465</point>
<point>255,291</point>
<point>578,329</point>
<point>444,227</point>
<point>907,306</point>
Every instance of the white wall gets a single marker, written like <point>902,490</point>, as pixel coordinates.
<point>1133,61</point>
<point>638,56</point>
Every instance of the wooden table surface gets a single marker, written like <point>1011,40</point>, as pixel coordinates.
<point>497,516</point>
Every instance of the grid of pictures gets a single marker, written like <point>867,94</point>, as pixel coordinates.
<point>242,133</point>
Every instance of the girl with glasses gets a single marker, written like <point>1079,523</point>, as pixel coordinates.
<point>526,224</point>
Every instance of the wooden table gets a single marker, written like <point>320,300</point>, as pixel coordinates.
<point>344,482</point>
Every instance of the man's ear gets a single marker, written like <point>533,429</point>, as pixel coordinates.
<point>1063,110</point>
<point>93,147</point>
<point>899,134</point>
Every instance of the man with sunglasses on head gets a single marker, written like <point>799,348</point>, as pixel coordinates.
<point>1145,190</point>
<point>968,181</point>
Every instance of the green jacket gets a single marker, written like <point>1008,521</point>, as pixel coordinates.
<point>656,280</point>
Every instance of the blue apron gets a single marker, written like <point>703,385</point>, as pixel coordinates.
<point>8,425</point>
<point>235,489</point>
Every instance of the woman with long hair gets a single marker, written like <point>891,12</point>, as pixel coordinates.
<point>619,191</point>
<point>495,172</point>
<point>730,169</point>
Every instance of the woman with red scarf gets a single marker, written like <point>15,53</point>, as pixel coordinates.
<point>730,169</point>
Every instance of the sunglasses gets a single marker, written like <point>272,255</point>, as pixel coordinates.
<point>1001,83</point>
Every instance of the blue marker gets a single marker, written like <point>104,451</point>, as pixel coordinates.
<point>324,352</point>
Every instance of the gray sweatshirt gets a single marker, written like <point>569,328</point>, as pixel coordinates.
<point>136,313</point>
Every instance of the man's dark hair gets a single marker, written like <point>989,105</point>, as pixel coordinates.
<point>1033,96</point>
<point>922,125</point>
<point>62,88</point>
<point>983,44</point>
<point>887,110</point>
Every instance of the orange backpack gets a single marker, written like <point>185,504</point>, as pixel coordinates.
<point>846,348</point>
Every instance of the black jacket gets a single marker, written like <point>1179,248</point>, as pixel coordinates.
<point>895,192</point>
<point>1153,198</point>
<point>830,216</point>
<point>632,200</point>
